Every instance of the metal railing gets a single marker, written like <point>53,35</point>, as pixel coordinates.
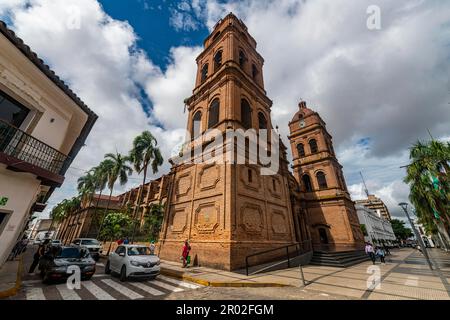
<point>18,144</point>
<point>285,253</point>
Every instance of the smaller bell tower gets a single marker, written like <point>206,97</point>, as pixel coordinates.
<point>333,220</point>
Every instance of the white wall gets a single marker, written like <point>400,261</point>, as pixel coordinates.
<point>22,190</point>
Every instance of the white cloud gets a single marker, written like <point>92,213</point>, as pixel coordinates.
<point>389,85</point>
<point>102,64</point>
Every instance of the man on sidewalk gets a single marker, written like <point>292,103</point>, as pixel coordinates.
<point>370,251</point>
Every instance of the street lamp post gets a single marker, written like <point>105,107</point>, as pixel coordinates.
<point>416,233</point>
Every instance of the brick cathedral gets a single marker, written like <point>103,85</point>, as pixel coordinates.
<point>229,211</point>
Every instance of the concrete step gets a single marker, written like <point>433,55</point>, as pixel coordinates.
<point>339,259</point>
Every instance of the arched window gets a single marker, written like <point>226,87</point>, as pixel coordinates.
<point>301,150</point>
<point>246,114</point>
<point>307,183</point>
<point>313,146</point>
<point>217,60</point>
<point>321,180</point>
<point>242,59</point>
<point>254,71</point>
<point>262,121</point>
<point>205,72</point>
<point>196,124</point>
<point>214,109</point>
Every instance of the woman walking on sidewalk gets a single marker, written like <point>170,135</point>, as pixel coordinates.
<point>381,254</point>
<point>185,253</point>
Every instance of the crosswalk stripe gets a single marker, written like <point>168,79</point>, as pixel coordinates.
<point>166,286</point>
<point>179,282</point>
<point>99,275</point>
<point>66,293</point>
<point>98,292</point>
<point>100,264</point>
<point>122,289</point>
<point>35,294</point>
<point>148,289</point>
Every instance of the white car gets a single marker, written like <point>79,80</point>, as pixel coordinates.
<point>134,261</point>
<point>93,245</point>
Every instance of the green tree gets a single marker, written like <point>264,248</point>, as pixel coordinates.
<point>400,231</point>
<point>144,153</point>
<point>364,230</point>
<point>153,222</point>
<point>100,174</point>
<point>115,225</point>
<point>119,170</point>
<point>428,177</point>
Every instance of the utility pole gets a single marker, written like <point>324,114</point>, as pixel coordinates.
<point>404,206</point>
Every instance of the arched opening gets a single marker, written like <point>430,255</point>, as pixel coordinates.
<point>262,121</point>
<point>307,183</point>
<point>323,236</point>
<point>204,72</point>
<point>254,71</point>
<point>217,60</point>
<point>196,124</point>
<point>246,114</point>
<point>242,59</point>
<point>214,110</point>
<point>301,150</point>
<point>321,180</point>
<point>313,146</point>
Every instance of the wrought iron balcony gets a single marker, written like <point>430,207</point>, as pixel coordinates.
<point>30,152</point>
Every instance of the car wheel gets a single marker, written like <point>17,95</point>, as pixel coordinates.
<point>123,274</point>
<point>86,278</point>
<point>107,268</point>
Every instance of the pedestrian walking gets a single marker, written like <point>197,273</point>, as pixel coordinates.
<point>370,251</point>
<point>386,250</point>
<point>185,254</point>
<point>380,253</point>
<point>38,254</point>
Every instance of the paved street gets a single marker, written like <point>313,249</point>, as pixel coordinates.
<point>405,276</point>
<point>100,287</point>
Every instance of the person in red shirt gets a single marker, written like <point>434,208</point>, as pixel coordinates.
<point>185,253</point>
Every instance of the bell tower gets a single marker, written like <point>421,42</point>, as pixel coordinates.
<point>332,215</point>
<point>227,210</point>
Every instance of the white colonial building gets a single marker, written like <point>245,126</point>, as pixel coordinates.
<point>43,126</point>
<point>376,226</point>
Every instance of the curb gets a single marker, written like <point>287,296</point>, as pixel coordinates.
<point>13,290</point>
<point>181,276</point>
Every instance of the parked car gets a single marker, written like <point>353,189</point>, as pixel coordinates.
<point>133,261</point>
<point>56,243</point>
<point>93,245</point>
<point>55,263</point>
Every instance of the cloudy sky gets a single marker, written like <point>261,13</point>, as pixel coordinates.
<point>133,63</point>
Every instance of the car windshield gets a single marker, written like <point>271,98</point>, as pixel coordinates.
<point>71,253</point>
<point>90,242</point>
<point>139,251</point>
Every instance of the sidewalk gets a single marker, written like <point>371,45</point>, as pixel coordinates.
<point>405,276</point>
<point>10,278</point>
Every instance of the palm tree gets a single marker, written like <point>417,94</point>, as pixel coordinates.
<point>428,177</point>
<point>145,153</point>
<point>100,174</point>
<point>119,169</point>
<point>68,207</point>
